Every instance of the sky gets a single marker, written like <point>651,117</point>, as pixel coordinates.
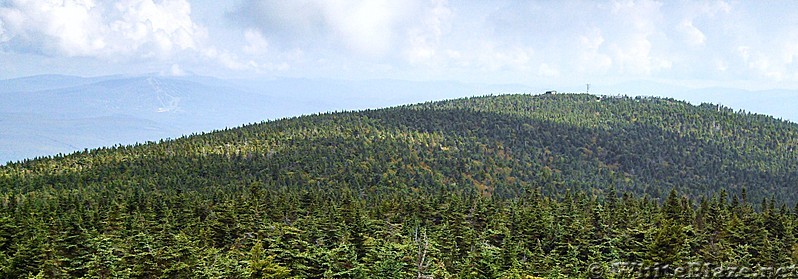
<point>743,44</point>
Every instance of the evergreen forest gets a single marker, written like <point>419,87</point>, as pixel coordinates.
<point>507,186</point>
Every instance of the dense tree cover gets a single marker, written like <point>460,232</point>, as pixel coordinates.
<point>499,186</point>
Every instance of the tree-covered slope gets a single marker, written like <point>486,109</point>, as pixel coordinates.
<point>643,145</point>
<point>496,145</point>
<point>484,187</point>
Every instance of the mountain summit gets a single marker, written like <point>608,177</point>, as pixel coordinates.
<point>498,145</point>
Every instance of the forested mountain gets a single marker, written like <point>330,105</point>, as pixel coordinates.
<point>505,186</point>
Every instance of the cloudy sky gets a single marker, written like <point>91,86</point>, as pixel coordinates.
<point>751,44</point>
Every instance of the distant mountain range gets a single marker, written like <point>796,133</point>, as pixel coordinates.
<point>45,115</point>
<point>50,114</point>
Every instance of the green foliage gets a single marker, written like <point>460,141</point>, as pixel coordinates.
<point>261,266</point>
<point>511,186</point>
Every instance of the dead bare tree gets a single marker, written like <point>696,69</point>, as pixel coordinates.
<point>422,242</point>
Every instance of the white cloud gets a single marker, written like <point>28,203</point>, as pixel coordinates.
<point>425,38</point>
<point>591,59</point>
<point>634,57</point>
<point>3,37</point>
<point>102,29</point>
<point>586,38</point>
<point>638,15</point>
<point>765,64</point>
<point>693,36</point>
<point>366,26</point>
<point>632,48</point>
<point>775,61</point>
<point>548,71</point>
<point>255,43</point>
<point>744,52</point>
<point>167,24</point>
<point>721,66</point>
<point>175,70</point>
<point>421,50</point>
<point>711,15</point>
<point>790,56</point>
<point>366,29</point>
<point>228,59</point>
<point>494,58</point>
